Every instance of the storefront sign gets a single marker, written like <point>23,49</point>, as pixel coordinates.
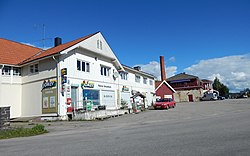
<point>103,86</point>
<point>63,71</point>
<point>87,84</point>
<point>48,84</point>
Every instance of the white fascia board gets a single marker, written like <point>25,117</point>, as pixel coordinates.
<point>139,72</point>
<point>167,85</point>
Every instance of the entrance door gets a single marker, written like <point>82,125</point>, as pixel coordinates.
<point>190,98</point>
<point>74,96</point>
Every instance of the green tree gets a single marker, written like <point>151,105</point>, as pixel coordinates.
<point>217,85</point>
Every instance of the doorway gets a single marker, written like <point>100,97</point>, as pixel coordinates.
<point>74,96</point>
<point>190,98</point>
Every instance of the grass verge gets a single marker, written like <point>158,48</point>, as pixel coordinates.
<point>22,132</point>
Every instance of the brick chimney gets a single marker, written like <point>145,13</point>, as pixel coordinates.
<point>163,72</point>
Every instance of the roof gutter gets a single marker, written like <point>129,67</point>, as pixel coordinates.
<point>40,59</point>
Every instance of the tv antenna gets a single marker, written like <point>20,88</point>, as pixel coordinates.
<point>44,37</point>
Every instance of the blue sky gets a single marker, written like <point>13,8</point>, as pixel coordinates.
<point>188,33</point>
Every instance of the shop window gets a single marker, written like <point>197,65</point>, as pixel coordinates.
<point>137,78</point>
<point>83,66</point>
<point>91,96</point>
<point>124,75</point>
<point>6,70</point>
<point>16,71</point>
<point>105,71</point>
<point>145,80</point>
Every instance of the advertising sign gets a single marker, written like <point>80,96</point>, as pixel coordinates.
<point>49,96</point>
<point>87,84</point>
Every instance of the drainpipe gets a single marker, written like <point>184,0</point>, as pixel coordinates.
<point>2,66</point>
<point>58,89</point>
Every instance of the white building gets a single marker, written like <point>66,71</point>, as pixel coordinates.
<point>79,74</point>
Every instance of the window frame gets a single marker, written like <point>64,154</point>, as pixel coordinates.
<point>138,78</point>
<point>34,68</point>
<point>105,70</point>
<point>80,64</point>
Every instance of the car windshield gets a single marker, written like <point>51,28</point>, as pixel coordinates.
<point>164,100</point>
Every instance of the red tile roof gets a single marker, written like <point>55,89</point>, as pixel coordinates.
<point>13,52</point>
<point>56,49</point>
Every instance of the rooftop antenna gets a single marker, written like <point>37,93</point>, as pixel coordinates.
<point>43,40</point>
<point>44,37</point>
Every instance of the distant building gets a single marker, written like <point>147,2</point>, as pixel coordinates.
<point>188,88</point>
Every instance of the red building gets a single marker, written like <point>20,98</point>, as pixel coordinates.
<point>189,88</point>
<point>162,88</point>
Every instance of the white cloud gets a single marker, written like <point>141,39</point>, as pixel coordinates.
<point>154,68</point>
<point>172,59</point>
<point>232,71</point>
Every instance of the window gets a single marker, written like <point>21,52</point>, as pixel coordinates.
<point>83,66</point>
<point>78,65</point>
<point>91,96</point>
<point>34,68</point>
<point>105,71</point>
<point>137,78</point>
<point>150,82</point>
<point>124,75</point>
<point>99,44</point>
<point>145,80</point>
<point>16,71</point>
<point>6,70</point>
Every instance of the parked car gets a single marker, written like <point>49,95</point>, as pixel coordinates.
<point>165,103</point>
<point>209,96</point>
<point>220,97</point>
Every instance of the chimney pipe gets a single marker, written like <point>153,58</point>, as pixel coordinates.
<point>163,72</point>
<point>58,41</point>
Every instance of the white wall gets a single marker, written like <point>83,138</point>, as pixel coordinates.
<point>10,93</point>
<point>147,89</point>
<point>32,86</point>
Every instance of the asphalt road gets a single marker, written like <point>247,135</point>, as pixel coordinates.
<point>191,129</point>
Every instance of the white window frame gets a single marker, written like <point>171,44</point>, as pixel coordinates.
<point>34,68</point>
<point>145,80</point>
<point>124,75</point>
<point>16,71</point>
<point>105,71</point>
<point>151,82</point>
<point>137,78</point>
<point>81,64</point>
<point>99,44</point>
<point>6,70</point>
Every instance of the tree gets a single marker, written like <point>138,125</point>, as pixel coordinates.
<point>217,85</point>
